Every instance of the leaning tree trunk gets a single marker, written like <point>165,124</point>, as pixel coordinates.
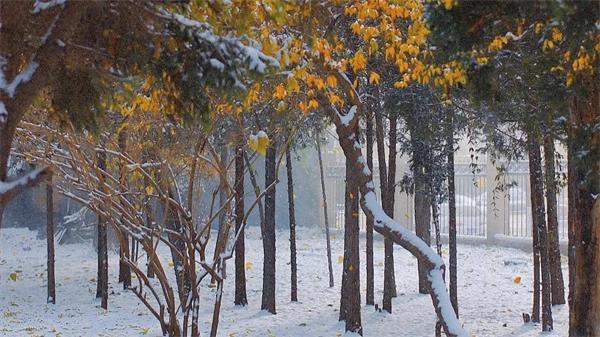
<point>584,213</point>
<point>327,236</point>
<point>51,298</point>
<point>539,226</point>
<point>268,235</point>
<point>558,285</point>
<point>391,229</point>
<point>370,298</point>
<point>240,297</point>
<point>452,214</point>
<point>102,283</point>
<point>350,295</point>
<point>292,217</point>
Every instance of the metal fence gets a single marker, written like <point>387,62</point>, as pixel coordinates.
<point>516,202</point>
<point>476,202</point>
<point>471,201</point>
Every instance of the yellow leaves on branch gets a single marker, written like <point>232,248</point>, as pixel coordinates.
<point>331,81</point>
<point>498,43</point>
<point>259,142</point>
<point>374,78</point>
<point>448,4</point>
<point>280,92</point>
<point>359,61</point>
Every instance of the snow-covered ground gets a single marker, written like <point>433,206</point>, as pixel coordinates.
<point>491,302</point>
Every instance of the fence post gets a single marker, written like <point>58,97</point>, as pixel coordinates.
<point>495,212</point>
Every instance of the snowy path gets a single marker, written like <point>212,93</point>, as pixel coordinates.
<point>490,301</point>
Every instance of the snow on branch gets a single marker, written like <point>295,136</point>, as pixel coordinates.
<point>10,189</point>
<point>22,77</point>
<point>391,229</point>
<point>231,54</point>
<point>39,6</point>
<point>347,118</point>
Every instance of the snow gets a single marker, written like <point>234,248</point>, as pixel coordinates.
<point>22,181</point>
<point>383,220</point>
<point>491,303</point>
<point>217,64</point>
<point>39,6</point>
<point>347,118</point>
<point>22,77</point>
<point>231,48</point>
<point>261,134</point>
<point>3,113</point>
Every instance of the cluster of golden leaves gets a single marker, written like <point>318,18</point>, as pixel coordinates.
<point>573,63</point>
<point>315,62</point>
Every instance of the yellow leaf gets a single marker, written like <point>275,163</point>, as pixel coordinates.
<point>212,285</point>
<point>144,331</point>
<point>280,92</point>
<point>259,142</point>
<point>149,189</point>
<point>13,276</point>
<point>170,263</point>
<point>332,81</point>
<point>374,78</point>
<point>359,61</point>
<point>248,265</point>
<point>517,279</point>
<point>303,107</point>
<point>292,85</point>
<point>340,259</point>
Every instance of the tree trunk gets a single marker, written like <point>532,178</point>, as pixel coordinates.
<point>370,298</point>
<point>329,264</point>
<point>102,283</point>
<point>292,217</point>
<point>452,215</point>
<point>539,226</point>
<point>584,213</point>
<point>124,269</point>
<point>51,298</point>
<point>558,286</point>
<point>350,295</point>
<point>223,232</point>
<point>389,203</point>
<point>422,218</point>
<point>268,235</point>
<point>240,297</point>
<point>389,283</point>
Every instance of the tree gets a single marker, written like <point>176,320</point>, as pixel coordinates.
<point>268,234</point>
<point>370,297</point>
<point>540,237</point>
<point>292,219</point>
<point>327,238</point>
<point>240,297</point>
<point>51,296</point>
<point>561,44</point>
<point>350,294</point>
<point>74,78</point>
<point>452,213</point>
<point>124,270</point>
<point>387,185</point>
<point>102,278</point>
<point>557,283</point>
